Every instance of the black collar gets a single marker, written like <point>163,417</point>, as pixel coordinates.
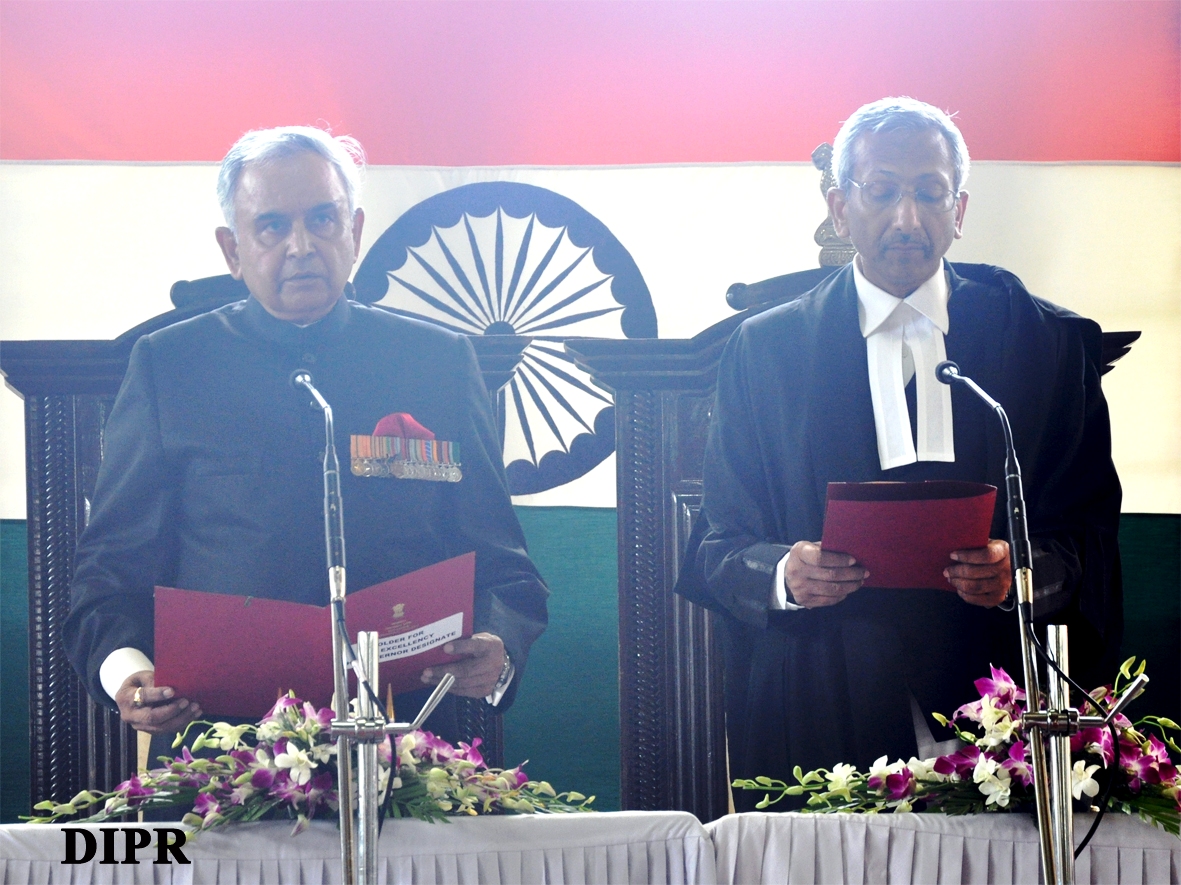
<point>258,322</point>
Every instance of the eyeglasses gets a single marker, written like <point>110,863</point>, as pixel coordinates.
<point>884,194</point>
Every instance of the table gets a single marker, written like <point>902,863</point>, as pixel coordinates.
<point>632,847</point>
<point>792,848</point>
<point>665,847</point>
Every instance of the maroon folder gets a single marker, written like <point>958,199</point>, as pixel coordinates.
<point>904,532</point>
<point>234,655</point>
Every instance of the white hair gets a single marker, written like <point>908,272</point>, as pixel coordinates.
<point>262,145</point>
<point>892,115</point>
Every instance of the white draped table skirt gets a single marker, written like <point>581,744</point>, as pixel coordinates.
<point>626,847</point>
<point>794,848</point>
<point>666,847</point>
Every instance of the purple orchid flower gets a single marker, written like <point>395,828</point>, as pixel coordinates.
<point>262,779</point>
<point>1002,687</point>
<point>280,706</point>
<point>135,791</point>
<point>1138,766</point>
<point>1017,764</point>
<point>322,717</point>
<point>470,753</point>
<point>516,775</point>
<point>900,785</point>
<point>439,749</point>
<point>206,805</point>
<point>960,763</point>
<point>972,711</point>
<point>1161,769</point>
<point>286,790</point>
<point>1094,739</point>
<point>320,792</point>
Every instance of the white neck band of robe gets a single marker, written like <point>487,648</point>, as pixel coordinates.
<point>920,320</point>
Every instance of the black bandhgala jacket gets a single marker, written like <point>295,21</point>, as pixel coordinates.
<point>211,477</point>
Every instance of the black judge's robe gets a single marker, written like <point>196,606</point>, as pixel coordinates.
<point>793,413</point>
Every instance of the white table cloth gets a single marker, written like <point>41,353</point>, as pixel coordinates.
<point>624,847</point>
<point>792,848</point>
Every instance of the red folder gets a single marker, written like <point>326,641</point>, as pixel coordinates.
<point>234,655</point>
<point>904,532</point>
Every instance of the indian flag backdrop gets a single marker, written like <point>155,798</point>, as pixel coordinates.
<point>682,130</point>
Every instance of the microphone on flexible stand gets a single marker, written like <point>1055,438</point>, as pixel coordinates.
<point>948,373</point>
<point>1051,777</point>
<point>301,379</point>
<point>333,502</point>
<point>366,728</point>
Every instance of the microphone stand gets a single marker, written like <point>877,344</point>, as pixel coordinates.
<point>1057,721</point>
<point>368,727</point>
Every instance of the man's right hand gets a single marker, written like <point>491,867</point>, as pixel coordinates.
<point>816,578</point>
<point>158,710</point>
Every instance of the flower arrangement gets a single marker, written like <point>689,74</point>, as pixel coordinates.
<point>286,767</point>
<point>992,772</point>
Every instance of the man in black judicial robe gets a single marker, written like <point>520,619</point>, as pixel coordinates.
<point>212,471</point>
<point>833,678</point>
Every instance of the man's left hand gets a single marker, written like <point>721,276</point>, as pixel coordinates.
<point>477,674</point>
<point>981,576</point>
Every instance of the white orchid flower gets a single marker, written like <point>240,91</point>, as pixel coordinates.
<point>406,746</point>
<point>298,762</point>
<point>881,770</point>
<point>1081,780</point>
<point>226,736</point>
<point>994,781</point>
<point>999,726</point>
<point>838,779</point>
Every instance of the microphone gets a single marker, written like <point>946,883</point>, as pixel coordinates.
<point>946,372</point>
<point>301,379</point>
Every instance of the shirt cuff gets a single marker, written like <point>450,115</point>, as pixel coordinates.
<point>779,601</point>
<point>497,695</point>
<point>120,664</point>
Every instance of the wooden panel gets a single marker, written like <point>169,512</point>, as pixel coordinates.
<point>672,730</point>
<point>643,606</point>
<point>74,742</point>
